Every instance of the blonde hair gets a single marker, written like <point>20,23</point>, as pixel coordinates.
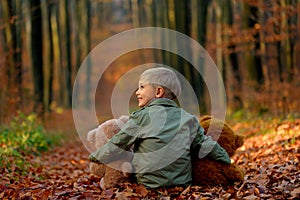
<point>163,77</point>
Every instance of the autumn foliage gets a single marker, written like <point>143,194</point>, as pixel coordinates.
<point>270,158</point>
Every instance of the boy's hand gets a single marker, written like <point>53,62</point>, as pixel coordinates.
<point>220,154</point>
<point>92,158</point>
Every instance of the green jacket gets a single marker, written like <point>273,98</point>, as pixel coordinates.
<point>163,136</point>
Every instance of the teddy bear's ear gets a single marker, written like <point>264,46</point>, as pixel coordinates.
<point>121,121</point>
<point>239,141</point>
<point>124,118</point>
<point>103,131</point>
<point>205,118</point>
<point>91,136</point>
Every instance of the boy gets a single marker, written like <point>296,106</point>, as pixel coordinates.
<point>164,135</point>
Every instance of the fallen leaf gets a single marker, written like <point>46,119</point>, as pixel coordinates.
<point>251,197</point>
<point>186,191</point>
<point>295,193</point>
<point>140,189</point>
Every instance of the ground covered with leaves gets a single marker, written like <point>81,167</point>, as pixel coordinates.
<point>270,158</point>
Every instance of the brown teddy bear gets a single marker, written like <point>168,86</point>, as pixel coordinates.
<point>115,172</point>
<point>211,172</point>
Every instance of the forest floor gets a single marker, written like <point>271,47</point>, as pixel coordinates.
<point>270,158</point>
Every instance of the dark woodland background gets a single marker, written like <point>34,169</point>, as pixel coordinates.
<point>254,43</point>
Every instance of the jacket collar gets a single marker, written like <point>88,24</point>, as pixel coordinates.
<point>162,102</point>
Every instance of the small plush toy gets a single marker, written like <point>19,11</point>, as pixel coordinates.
<point>211,172</point>
<point>111,173</point>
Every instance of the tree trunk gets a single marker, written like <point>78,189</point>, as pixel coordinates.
<point>219,55</point>
<point>135,13</point>
<point>198,24</point>
<point>254,70</point>
<point>210,44</point>
<point>271,45</point>
<point>285,44</point>
<point>37,57</point>
<point>56,54</point>
<point>12,17</point>
<point>47,55</point>
<point>182,20</point>
<point>169,21</point>
<point>4,62</point>
<point>219,39</point>
<point>262,45</point>
<point>65,70</point>
<point>297,42</point>
<point>75,43</point>
<point>232,76</point>
<point>84,27</point>
<point>151,11</point>
<point>16,11</point>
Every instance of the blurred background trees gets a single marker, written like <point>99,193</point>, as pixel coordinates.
<point>255,44</point>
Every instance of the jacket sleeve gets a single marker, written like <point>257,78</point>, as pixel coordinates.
<point>113,150</point>
<point>117,147</point>
<point>205,146</point>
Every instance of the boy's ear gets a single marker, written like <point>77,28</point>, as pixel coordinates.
<point>160,91</point>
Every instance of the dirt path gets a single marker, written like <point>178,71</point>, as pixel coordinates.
<point>271,163</point>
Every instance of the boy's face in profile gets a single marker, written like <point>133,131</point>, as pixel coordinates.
<point>145,93</point>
